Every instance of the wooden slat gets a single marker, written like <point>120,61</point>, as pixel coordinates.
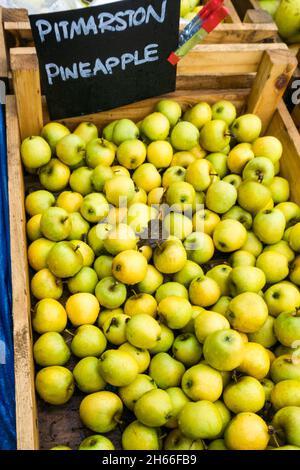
<point>273,75</point>
<point>26,419</point>
<point>26,80</point>
<point>15,14</point>
<point>242,33</point>
<point>3,60</point>
<point>232,12</point>
<point>259,17</point>
<point>283,127</point>
<point>234,60</point>
<point>215,82</point>
<point>20,30</point>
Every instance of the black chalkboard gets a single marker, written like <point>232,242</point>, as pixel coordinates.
<point>102,57</point>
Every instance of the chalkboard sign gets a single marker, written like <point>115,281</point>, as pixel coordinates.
<point>102,57</point>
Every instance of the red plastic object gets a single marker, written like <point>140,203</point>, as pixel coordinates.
<point>173,58</point>
<point>215,18</point>
<point>209,8</point>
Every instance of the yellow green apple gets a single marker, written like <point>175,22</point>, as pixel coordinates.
<point>256,361</point>
<point>265,335</point>
<point>87,376</point>
<point>166,371</point>
<point>239,156</point>
<point>54,176</point>
<point>247,394</point>
<point>154,408</point>
<point>224,350</point>
<point>101,411</point>
<point>199,247</point>
<point>71,149</point>
<point>35,152</point>
<point>229,235</point>
<point>52,132</point>
<point>246,128</point>
<point>202,382</point>
<point>50,349</point>
<point>204,291</point>
<point>55,384</point>
<point>200,420</point>
<point>282,297</point>
<point>171,109</point>
<point>155,126</point>
<point>81,180</point>
<point>268,146</point>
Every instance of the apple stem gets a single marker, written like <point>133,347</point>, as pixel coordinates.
<point>234,376</point>
<point>69,332</point>
<point>297,311</point>
<point>260,178</point>
<point>203,443</point>
<point>273,432</point>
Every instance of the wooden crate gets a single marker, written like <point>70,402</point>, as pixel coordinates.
<point>37,423</point>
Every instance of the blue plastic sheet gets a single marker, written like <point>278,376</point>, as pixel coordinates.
<point>7,391</point>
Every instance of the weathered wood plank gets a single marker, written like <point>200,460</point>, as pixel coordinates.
<point>26,416</point>
<point>3,59</point>
<point>26,79</point>
<point>283,127</point>
<point>15,14</point>
<point>273,76</point>
<point>260,17</point>
<point>238,59</point>
<point>242,33</point>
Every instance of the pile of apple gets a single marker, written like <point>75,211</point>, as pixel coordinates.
<point>165,258</point>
